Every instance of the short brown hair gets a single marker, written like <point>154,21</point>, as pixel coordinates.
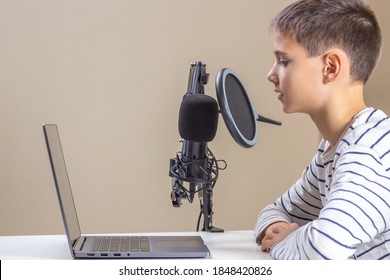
<point>350,25</point>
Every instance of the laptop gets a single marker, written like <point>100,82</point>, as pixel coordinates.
<point>120,247</point>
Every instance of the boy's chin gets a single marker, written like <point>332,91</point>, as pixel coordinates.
<point>290,110</point>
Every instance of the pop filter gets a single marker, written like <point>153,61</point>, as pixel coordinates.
<point>236,108</point>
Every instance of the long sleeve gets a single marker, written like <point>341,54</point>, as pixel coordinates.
<point>356,211</point>
<point>300,204</point>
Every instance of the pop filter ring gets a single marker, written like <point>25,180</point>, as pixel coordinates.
<point>223,100</point>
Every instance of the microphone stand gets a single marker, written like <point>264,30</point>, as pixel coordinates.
<point>198,78</point>
<point>207,209</point>
<point>201,173</point>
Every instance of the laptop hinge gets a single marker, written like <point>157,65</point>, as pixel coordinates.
<point>79,243</point>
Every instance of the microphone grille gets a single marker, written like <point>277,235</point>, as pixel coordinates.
<point>198,118</point>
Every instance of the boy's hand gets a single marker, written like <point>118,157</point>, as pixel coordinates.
<point>276,233</point>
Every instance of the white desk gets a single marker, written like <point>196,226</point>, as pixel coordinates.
<point>233,245</point>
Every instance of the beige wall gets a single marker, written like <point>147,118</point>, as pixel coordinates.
<point>377,90</point>
<point>111,74</point>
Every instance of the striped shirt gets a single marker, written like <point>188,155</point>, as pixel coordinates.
<point>342,200</point>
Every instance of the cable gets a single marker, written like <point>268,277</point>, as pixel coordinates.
<point>200,216</point>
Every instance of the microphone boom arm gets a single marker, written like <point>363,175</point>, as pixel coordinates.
<point>198,78</point>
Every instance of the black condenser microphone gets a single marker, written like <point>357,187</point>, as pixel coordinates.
<point>195,165</point>
<point>198,122</point>
<point>198,118</point>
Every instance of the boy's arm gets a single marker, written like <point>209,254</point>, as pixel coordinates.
<point>300,204</point>
<point>356,210</point>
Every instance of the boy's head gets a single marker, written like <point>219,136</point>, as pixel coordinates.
<point>318,25</point>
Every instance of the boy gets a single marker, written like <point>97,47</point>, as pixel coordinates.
<point>340,208</point>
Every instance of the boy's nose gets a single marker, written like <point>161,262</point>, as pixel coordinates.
<point>272,77</point>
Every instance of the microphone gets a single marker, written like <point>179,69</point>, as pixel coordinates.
<point>198,122</point>
<point>198,118</point>
<point>195,164</point>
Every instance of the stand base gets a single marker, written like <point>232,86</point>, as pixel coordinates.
<point>213,229</point>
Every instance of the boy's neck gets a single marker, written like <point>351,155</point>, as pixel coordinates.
<point>336,116</point>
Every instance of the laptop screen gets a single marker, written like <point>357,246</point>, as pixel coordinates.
<point>62,183</point>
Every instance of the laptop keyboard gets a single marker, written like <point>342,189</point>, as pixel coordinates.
<point>121,244</point>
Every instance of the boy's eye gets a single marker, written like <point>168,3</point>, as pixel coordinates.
<point>283,63</point>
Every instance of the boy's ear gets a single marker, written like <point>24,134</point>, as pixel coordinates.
<point>332,65</point>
